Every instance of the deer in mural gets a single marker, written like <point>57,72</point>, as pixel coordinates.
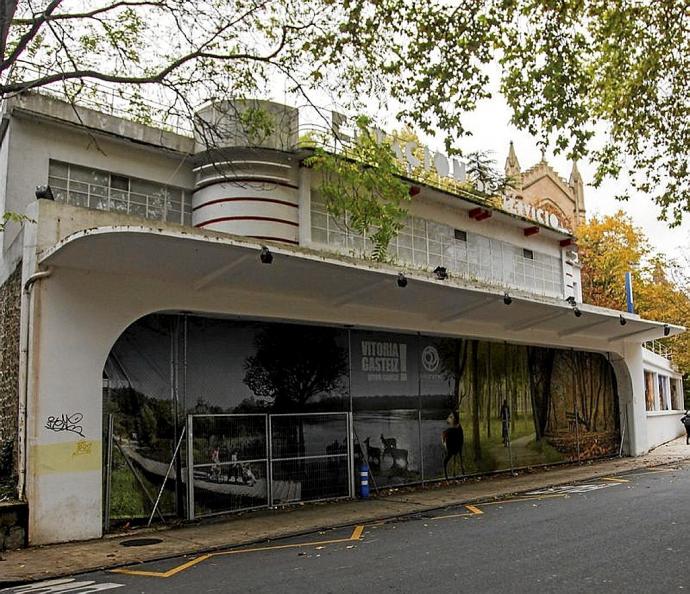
<point>389,443</point>
<point>453,439</point>
<point>373,454</point>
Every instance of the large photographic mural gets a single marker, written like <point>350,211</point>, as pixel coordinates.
<point>423,408</point>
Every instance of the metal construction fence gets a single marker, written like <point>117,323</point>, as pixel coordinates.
<point>247,461</point>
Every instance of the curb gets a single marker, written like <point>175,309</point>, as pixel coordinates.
<point>383,517</point>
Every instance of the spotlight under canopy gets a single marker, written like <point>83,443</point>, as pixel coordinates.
<point>507,299</point>
<point>265,256</point>
<point>622,320</point>
<point>402,280</point>
<point>441,273</point>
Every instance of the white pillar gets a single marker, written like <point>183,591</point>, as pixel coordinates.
<point>630,375</point>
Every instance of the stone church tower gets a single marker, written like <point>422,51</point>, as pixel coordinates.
<point>542,187</point>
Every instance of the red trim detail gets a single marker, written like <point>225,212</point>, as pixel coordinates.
<point>479,214</point>
<point>247,180</point>
<point>247,218</point>
<point>219,200</point>
<point>414,190</point>
<point>567,242</point>
<point>274,239</point>
<point>531,231</point>
<point>475,212</point>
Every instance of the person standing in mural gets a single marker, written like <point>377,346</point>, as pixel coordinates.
<point>215,464</point>
<point>505,423</point>
<point>686,421</point>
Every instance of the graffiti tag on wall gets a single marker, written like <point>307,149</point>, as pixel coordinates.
<point>66,422</point>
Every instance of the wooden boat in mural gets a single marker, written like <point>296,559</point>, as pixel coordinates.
<point>283,491</point>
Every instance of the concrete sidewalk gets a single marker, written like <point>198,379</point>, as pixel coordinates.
<point>38,563</point>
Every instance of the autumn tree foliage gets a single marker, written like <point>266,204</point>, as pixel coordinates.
<point>612,245</point>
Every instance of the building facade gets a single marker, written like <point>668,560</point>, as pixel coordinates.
<point>193,323</point>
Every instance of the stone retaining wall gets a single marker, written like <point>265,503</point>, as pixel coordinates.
<point>10,295</point>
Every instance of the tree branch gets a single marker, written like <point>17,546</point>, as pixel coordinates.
<point>140,80</point>
<point>25,39</point>
<point>85,15</point>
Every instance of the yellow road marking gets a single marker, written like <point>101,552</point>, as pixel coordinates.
<point>356,535</point>
<point>164,574</point>
<point>613,479</point>
<point>472,509</point>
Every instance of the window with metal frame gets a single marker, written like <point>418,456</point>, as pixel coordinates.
<point>104,190</point>
<point>426,244</point>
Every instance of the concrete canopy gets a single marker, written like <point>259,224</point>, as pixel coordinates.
<point>340,289</point>
<point>98,280</point>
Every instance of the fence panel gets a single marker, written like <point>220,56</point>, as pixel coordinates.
<point>311,457</point>
<point>228,462</point>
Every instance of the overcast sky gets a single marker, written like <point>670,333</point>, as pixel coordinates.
<point>492,131</point>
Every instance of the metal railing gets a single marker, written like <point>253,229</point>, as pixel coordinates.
<point>659,348</point>
<point>116,101</point>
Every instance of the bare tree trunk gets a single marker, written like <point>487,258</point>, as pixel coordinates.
<point>475,401</point>
<point>540,367</point>
<point>489,379</point>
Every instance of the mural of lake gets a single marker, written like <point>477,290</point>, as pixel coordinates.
<point>423,407</point>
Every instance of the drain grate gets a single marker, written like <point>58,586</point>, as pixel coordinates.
<point>140,542</point>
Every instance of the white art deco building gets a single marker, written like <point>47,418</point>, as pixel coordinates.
<point>187,318</point>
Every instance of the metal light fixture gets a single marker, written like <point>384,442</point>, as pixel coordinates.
<point>576,311</point>
<point>667,329</point>
<point>507,299</point>
<point>441,273</point>
<point>402,280</point>
<point>44,193</point>
<point>265,256</point>
<point>622,320</point>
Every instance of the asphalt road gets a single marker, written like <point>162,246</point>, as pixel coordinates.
<point>600,536</point>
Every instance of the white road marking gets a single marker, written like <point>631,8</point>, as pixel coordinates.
<point>570,489</point>
<point>63,586</point>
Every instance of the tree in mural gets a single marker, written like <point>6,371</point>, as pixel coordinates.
<point>453,356</point>
<point>293,365</point>
<point>590,377</point>
<point>459,356</point>
<point>540,363</point>
<point>476,400</point>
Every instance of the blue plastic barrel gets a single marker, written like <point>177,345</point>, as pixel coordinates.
<point>364,481</point>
